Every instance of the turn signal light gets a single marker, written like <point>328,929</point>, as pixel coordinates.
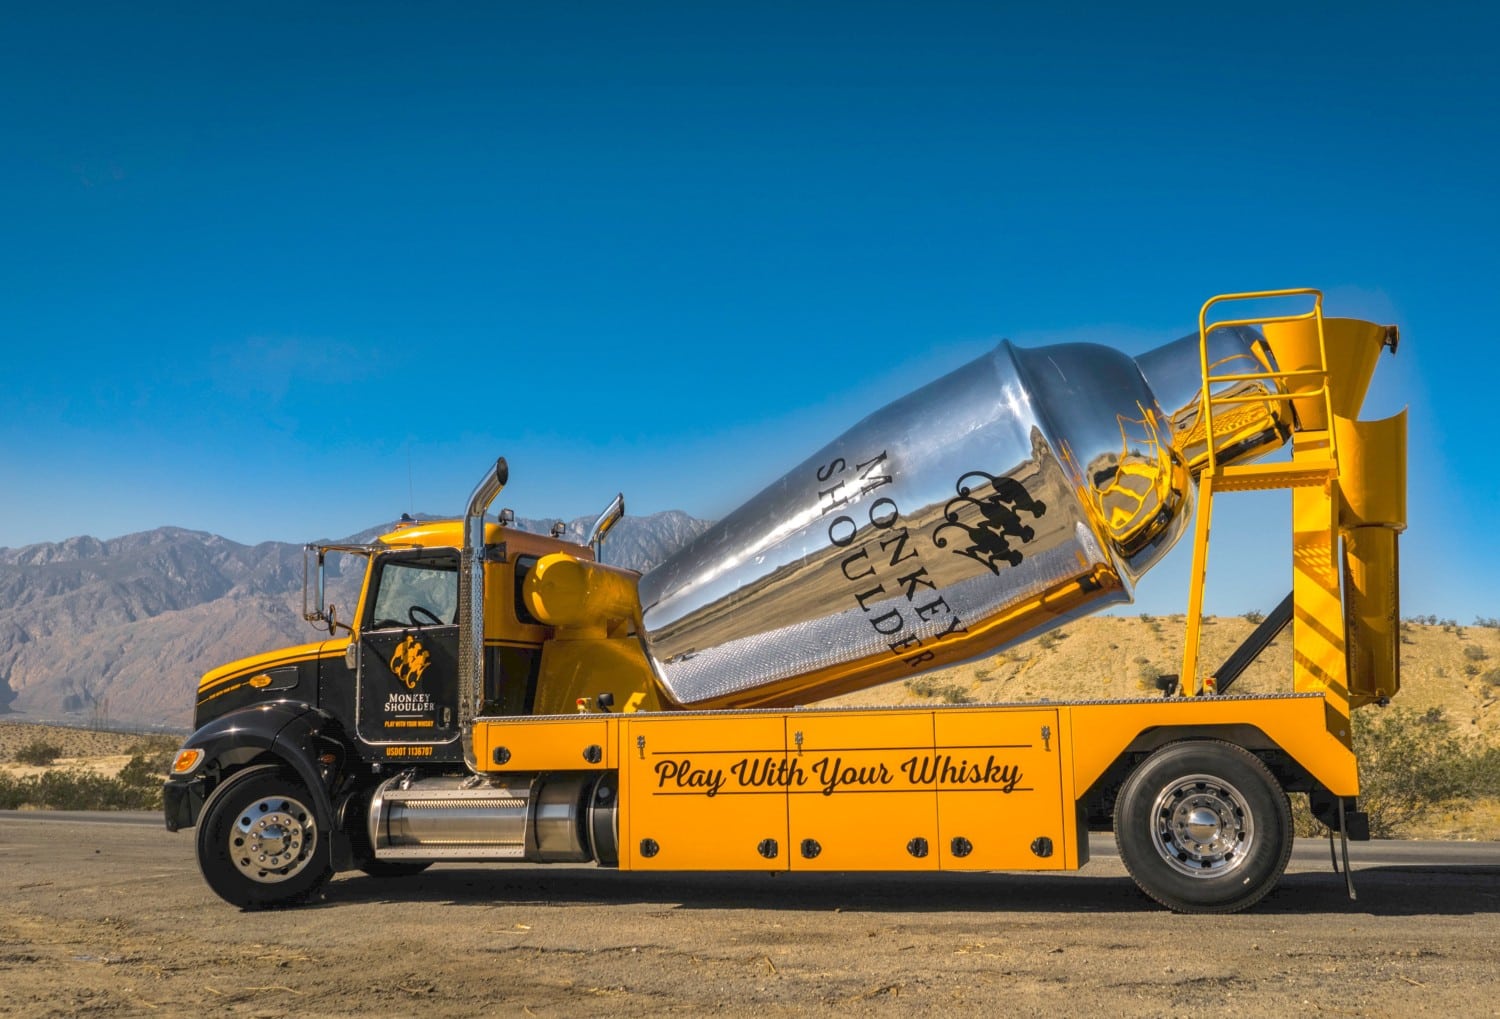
<point>186,761</point>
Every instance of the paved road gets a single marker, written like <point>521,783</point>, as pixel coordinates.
<point>107,914</point>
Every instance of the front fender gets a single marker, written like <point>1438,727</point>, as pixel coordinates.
<point>282,732</point>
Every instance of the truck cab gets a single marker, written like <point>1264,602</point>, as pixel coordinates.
<point>381,692</point>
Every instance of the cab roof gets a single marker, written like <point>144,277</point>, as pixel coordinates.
<point>450,534</point>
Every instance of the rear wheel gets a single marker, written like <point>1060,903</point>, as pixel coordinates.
<point>1204,827</point>
<point>259,843</point>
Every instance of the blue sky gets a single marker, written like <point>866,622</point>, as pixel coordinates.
<point>281,271</point>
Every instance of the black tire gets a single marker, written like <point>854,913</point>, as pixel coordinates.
<point>260,843</point>
<point>1204,827</point>
<point>392,868</point>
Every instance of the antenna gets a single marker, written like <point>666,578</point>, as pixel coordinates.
<point>411,489</point>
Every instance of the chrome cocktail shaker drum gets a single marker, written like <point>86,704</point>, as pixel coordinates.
<point>1022,490</point>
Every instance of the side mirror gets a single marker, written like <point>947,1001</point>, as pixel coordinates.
<point>331,616</point>
<point>315,606</point>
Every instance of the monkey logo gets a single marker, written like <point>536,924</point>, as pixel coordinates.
<point>989,538</point>
<point>409,661</point>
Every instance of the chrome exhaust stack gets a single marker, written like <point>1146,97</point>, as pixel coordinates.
<point>471,604</point>
<point>604,523</point>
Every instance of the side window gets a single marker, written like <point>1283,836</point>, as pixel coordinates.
<point>416,592</point>
<point>523,570</point>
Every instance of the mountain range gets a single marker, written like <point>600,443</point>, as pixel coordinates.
<point>117,632</point>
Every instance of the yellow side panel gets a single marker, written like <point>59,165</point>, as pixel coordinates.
<point>582,743</point>
<point>703,792</point>
<point>859,799</point>
<point>1101,732</point>
<point>999,776</point>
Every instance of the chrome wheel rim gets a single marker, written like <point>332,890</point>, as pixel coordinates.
<point>273,839</point>
<point>1202,826</point>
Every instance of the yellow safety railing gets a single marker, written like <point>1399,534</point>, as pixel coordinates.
<point>1320,373</point>
<point>1294,386</point>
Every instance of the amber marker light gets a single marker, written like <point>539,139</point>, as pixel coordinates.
<point>186,761</point>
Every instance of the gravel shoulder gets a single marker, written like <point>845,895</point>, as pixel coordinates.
<point>113,919</point>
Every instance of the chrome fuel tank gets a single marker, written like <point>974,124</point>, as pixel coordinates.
<point>1024,489</point>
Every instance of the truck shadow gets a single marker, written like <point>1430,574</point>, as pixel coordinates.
<point>1382,891</point>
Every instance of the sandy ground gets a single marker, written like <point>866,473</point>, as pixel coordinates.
<point>113,919</point>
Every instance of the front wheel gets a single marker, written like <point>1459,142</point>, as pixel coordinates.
<point>1204,827</point>
<point>259,843</point>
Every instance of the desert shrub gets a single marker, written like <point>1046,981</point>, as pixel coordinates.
<point>146,768</point>
<point>1484,772</point>
<point>1409,763</point>
<point>984,675</point>
<point>1049,640</point>
<point>923,686</point>
<point>1492,677</point>
<point>137,787</point>
<point>1470,669</point>
<point>1475,653</point>
<point>1488,622</point>
<point>1304,824</point>
<point>10,792</point>
<point>38,752</point>
<point>948,693</point>
<point>1151,676</point>
<point>77,790</point>
<point>1254,616</point>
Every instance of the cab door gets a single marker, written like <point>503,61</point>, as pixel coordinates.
<point>408,657</point>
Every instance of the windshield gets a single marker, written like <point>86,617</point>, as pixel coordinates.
<point>416,592</point>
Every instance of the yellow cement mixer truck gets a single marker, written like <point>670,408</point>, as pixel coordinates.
<point>498,695</point>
